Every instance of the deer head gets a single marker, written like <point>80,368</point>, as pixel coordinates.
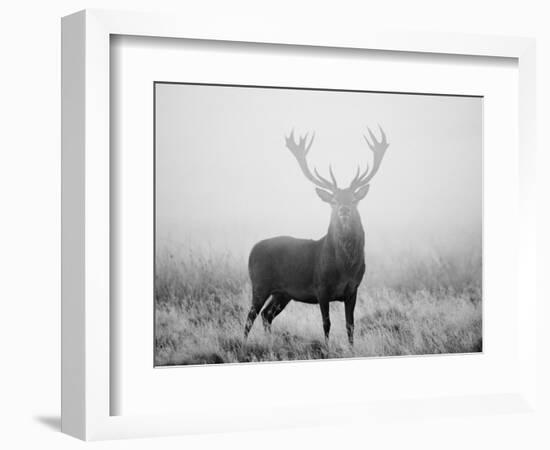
<point>343,201</point>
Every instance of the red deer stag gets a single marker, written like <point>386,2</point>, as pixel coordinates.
<point>316,272</point>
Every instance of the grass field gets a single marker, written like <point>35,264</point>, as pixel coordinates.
<point>407,305</point>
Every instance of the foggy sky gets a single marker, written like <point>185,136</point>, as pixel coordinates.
<point>225,179</point>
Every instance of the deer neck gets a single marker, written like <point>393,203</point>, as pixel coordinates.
<point>347,243</point>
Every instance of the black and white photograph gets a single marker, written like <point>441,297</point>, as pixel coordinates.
<point>298,224</point>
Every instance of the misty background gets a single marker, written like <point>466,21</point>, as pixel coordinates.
<point>225,180</point>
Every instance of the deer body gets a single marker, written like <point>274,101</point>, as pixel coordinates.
<point>303,268</point>
<point>316,272</point>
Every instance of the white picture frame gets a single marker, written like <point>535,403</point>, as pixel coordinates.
<point>86,325</point>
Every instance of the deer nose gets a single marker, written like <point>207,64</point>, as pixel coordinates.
<point>344,211</point>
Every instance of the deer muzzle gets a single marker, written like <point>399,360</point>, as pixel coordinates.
<point>344,215</point>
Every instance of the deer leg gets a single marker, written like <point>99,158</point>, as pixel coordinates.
<point>282,304</point>
<point>266,314</point>
<point>258,301</point>
<point>350,308</point>
<point>325,313</point>
<point>273,309</point>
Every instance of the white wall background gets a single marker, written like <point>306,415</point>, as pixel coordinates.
<point>29,234</point>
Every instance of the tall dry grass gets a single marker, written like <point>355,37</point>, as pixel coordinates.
<point>407,305</point>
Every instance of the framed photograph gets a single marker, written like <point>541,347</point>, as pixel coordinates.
<point>250,214</point>
<point>398,272</point>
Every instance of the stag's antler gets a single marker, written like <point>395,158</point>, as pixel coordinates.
<point>378,149</point>
<point>300,150</point>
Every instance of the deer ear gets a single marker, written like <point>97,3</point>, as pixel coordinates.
<point>360,194</point>
<point>324,195</point>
